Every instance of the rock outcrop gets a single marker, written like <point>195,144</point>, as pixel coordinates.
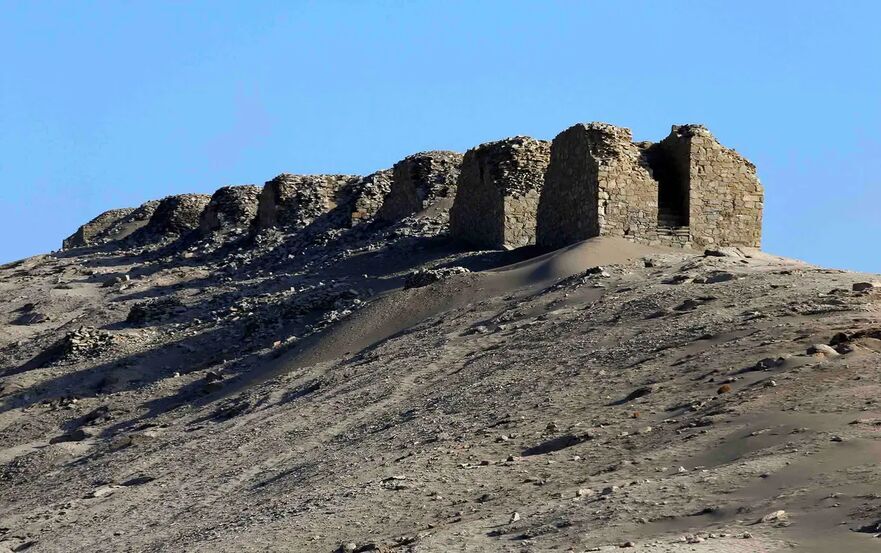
<point>498,193</point>
<point>230,208</point>
<point>420,181</point>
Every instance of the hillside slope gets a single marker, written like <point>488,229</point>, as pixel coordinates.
<point>295,396</point>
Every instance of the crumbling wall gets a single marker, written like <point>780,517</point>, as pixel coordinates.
<point>725,195</point>
<point>597,183</point>
<point>498,192</point>
<point>88,234</point>
<point>419,181</point>
<point>295,201</point>
<point>366,196</point>
<point>176,215</point>
<point>230,208</point>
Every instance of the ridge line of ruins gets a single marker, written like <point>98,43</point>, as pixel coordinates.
<point>591,180</point>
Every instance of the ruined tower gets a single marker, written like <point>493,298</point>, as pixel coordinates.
<point>498,191</point>
<point>706,188</point>
<point>597,184</point>
<point>687,190</point>
<point>419,181</point>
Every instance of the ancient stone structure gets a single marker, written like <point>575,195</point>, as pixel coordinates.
<point>176,215</point>
<point>498,193</point>
<point>420,181</point>
<point>597,183</point>
<point>295,201</point>
<point>364,197</point>
<point>87,234</point>
<point>230,208</point>
<point>706,187</point>
<point>108,227</point>
<point>688,190</point>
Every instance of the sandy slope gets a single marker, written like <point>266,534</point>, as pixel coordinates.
<point>589,404</point>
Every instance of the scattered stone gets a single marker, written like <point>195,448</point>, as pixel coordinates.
<point>822,349</point>
<point>424,277</point>
<point>775,516</point>
<point>866,286</point>
<point>77,435</point>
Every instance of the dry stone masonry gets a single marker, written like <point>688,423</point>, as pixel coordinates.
<point>498,193</point>
<point>177,215</point>
<point>87,234</point>
<point>230,208</point>
<point>420,181</point>
<point>715,190</point>
<point>597,184</point>
<point>592,180</point>
<point>687,191</point>
<point>295,201</point>
<point>364,197</point>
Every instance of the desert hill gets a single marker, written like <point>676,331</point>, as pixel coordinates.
<point>298,368</point>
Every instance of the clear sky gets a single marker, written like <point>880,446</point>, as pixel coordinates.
<point>109,104</point>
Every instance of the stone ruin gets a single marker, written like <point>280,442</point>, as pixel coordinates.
<point>591,180</point>
<point>706,189</point>
<point>295,201</point>
<point>687,190</point>
<point>597,183</point>
<point>363,198</point>
<point>420,181</point>
<point>89,233</point>
<point>231,208</point>
<point>176,215</point>
<point>498,193</point>
<point>110,226</point>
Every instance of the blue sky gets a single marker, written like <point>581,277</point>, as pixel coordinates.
<point>109,104</point>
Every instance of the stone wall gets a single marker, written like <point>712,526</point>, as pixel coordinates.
<point>597,183</point>
<point>419,181</point>
<point>88,234</point>
<point>366,195</point>
<point>295,201</point>
<point>230,208</point>
<point>498,191</point>
<point>176,215</point>
<point>725,197</point>
<point>686,191</point>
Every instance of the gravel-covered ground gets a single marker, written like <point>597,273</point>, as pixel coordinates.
<point>290,394</point>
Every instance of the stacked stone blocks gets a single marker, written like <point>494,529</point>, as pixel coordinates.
<point>498,193</point>
<point>420,181</point>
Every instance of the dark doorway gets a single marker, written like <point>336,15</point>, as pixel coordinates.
<point>671,173</point>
